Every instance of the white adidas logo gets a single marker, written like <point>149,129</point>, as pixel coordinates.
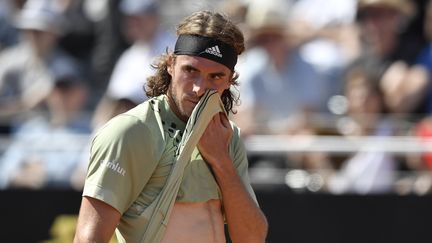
<point>214,51</point>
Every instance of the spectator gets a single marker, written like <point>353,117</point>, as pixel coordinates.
<point>46,148</point>
<point>327,36</point>
<point>382,23</point>
<point>277,85</point>
<point>365,171</point>
<point>26,69</point>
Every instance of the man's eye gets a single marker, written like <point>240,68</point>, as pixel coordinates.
<point>216,77</point>
<point>189,70</point>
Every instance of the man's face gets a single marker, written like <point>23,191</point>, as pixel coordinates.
<point>191,77</point>
<point>380,27</point>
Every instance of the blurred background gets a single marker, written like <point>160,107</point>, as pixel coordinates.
<point>335,109</point>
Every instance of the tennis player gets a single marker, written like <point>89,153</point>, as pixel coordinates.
<point>134,153</point>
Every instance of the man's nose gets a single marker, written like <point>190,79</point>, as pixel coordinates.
<point>199,86</point>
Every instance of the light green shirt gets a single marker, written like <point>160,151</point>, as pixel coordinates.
<point>132,156</point>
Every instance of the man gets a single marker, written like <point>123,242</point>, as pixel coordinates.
<point>133,154</point>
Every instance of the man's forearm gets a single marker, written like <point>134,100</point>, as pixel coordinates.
<point>246,222</point>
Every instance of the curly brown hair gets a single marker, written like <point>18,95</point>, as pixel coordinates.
<point>204,23</point>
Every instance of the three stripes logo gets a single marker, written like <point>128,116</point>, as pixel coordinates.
<point>214,51</point>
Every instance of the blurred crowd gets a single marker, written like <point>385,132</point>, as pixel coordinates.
<point>345,68</point>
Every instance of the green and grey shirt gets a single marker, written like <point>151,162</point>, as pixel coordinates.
<point>132,156</point>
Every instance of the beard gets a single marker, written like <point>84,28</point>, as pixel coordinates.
<point>182,105</point>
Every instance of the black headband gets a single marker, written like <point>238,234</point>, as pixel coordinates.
<point>206,47</point>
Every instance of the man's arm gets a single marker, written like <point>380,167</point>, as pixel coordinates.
<point>96,222</point>
<point>246,222</point>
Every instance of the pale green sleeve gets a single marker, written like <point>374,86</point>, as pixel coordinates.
<point>241,163</point>
<point>122,161</point>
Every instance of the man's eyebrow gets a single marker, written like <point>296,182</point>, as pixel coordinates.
<point>190,67</point>
<point>219,74</point>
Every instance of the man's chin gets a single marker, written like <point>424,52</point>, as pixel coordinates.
<point>186,113</point>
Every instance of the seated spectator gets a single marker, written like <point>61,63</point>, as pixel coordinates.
<point>277,85</point>
<point>327,36</point>
<point>382,24</point>
<point>365,171</point>
<point>46,148</point>
<point>26,69</point>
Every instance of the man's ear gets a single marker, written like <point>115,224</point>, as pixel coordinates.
<point>170,65</point>
<point>231,80</point>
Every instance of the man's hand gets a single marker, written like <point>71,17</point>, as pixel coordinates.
<point>214,143</point>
